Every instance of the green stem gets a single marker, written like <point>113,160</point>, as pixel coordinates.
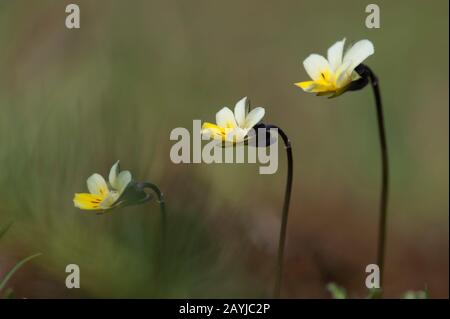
<point>284,218</point>
<point>162,251</point>
<point>162,207</point>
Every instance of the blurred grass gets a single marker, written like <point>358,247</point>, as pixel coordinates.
<point>74,101</point>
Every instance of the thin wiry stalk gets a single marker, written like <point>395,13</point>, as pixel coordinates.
<point>382,228</point>
<point>367,75</point>
<point>284,218</point>
<point>162,251</point>
<point>162,206</point>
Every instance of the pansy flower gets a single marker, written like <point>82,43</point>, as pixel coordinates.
<point>335,74</point>
<point>233,128</point>
<point>102,196</point>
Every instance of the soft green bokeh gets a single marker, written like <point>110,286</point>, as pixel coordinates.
<point>73,102</point>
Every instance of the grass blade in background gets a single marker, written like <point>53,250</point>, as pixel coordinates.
<point>15,268</point>
<point>336,291</point>
<point>4,229</point>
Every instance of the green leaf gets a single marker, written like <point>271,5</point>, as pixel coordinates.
<point>4,229</point>
<point>15,268</point>
<point>374,293</point>
<point>420,294</point>
<point>337,292</point>
<point>9,294</point>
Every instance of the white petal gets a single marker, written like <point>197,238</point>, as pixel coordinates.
<point>335,53</point>
<point>314,65</point>
<point>225,118</point>
<point>358,53</point>
<point>254,117</point>
<point>113,174</point>
<point>97,185</point>
<point>236,135</point>
<point>344,74</point>
<point>240,111</point>
<point>109,200</point>
<point>122,181</point>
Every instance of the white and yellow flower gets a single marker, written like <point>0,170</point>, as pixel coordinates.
<point>233,127</point>
<point>101,196</point>
<point>335,74</point>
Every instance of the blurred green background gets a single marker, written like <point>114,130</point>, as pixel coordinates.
<point>72,102</point>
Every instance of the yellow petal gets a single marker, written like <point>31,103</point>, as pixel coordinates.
<point>213,131</point>
<point>87,201</point>
<point>315,86</point>
<point>305,85</point>
<point>211,126</point>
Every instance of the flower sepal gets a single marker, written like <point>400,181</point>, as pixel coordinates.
<point>261,135</point>
<point>364,72</point>
<point>134,194</point>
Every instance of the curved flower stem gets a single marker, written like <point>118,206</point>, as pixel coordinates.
<point>160,279</point>
<point>382,227</point>
<point>162,206</point>
<point>287,198</point>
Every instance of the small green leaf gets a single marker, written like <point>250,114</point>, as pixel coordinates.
<point>15,268</point>
<point>337,292</point>
<point>9,294</point>
<point>374,293</point>
<point>421,294</point>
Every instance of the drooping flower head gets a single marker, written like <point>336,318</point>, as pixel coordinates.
<point>233,127</point>
<point>335,74</point>
<point>102,197</point>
